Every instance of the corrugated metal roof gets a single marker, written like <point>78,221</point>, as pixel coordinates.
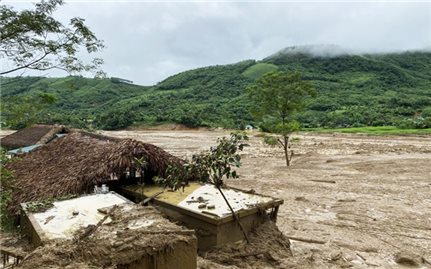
<point>23,149</point>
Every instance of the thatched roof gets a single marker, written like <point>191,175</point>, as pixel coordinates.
<point>36,134</point>
<point>73,164</point>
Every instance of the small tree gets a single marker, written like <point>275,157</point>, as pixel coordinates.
<point>275,98</point>
<point>35,40</point>
<point>213,166</point>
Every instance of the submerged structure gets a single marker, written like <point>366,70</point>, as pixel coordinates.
<point>202,207</point>
<point>64,218</point>
<point>27,139</point>
<point>123,235</point>
<point>107,230</point>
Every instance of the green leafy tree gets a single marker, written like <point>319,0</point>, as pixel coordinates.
<point>114,120</point>
<point>211,166</point>
<point>6,180</point>
<point>35,40</point>
<point>21,112</point>
<point>219,162</point>
<point>275,98</point>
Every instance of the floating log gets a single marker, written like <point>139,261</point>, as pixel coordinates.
<point>323,181</point>
<point>307,240</point>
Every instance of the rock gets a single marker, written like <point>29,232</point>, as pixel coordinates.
<point>370,249</point>
<point>407,258</point>
<point>301,198</point>
<point>336,256</point>
<point>427,260</point>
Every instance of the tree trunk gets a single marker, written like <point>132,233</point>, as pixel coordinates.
<point>286,150</point>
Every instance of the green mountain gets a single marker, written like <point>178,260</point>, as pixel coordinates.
<point>353,90</point>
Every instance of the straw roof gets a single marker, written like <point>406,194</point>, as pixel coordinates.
<point>36,134</point>
<point>73,164</point>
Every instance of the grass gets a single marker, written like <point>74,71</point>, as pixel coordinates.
<point>375,130</point>
<point>258,70</point>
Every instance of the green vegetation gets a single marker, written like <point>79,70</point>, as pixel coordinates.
<point>6,180</point>
<point>376,130</point>
<point>80,102</point>
<point>33,39</point>
<point>353,91</point>
<point>23,112</point>
<point>44,205</point>
<point>258,70</point>
<point>212,167</point>
<point>37,207</point>
<point>276,97</point>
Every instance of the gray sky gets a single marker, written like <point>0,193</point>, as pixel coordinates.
<point>149,41</point>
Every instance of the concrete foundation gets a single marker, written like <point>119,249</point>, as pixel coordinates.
<point>181,256</point>
<point>212,230</point>
<point>133,237</point>
<point>59,222</point>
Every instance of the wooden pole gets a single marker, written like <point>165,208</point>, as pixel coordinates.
<point>234,214</point>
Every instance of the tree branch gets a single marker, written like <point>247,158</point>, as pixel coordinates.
<point>25,66</point>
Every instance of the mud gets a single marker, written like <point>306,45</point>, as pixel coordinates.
<point>133,234</point>
<point>379,205</point>
<point>268,247</point>
<point>370,206</point>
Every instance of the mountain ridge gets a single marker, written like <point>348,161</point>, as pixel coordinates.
<point>354,90</point>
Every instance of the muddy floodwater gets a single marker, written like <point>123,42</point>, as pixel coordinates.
<point>362,200</point>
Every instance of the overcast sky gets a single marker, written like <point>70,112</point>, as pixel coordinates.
<point>149,41</point>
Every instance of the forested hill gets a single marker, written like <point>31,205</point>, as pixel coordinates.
<point>353,90</point>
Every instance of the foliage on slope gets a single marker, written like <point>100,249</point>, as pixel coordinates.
<point>353,90</point>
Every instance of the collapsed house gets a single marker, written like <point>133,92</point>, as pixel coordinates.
<point>128,236</point>
<point>74,164</point>
<point>201,207</point>
<point>30,138</point>
<point>62,219</point>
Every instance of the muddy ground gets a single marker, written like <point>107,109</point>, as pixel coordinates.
<point>375,204</point>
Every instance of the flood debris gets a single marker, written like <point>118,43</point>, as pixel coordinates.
<point>136,235</point>
<point>203,208</point>
<point>307,240</point>
<point>66,217</point>
<point>267,248</point>
<point>407,258</point>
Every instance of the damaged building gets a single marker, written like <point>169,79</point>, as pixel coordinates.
<point>86,222</point>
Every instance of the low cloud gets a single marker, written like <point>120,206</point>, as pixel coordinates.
<point>147,41</point>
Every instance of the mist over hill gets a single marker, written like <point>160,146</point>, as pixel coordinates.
<point>324,50</point>
<point>353,90</point>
